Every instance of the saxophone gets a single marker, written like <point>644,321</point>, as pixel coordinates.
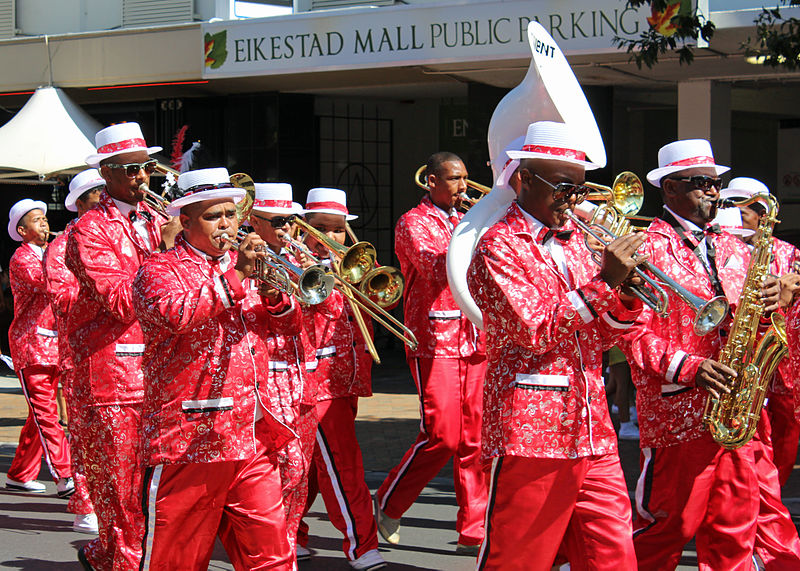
<point>732,418</point>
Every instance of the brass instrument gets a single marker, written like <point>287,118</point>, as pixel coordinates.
<point>626,193</point>
<point>355,266</point>
<point>156,201</point>
<point>310,286</point>
<point>732,418</point>
<point>465,201</point>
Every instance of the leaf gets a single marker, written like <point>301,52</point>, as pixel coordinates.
<point>215,47</point>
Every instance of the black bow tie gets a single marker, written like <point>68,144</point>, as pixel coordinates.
<point>134,216</point>
<point>701,234</point>
<point>560,235</point>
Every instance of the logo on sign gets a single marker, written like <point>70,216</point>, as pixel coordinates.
<point>216,49</point>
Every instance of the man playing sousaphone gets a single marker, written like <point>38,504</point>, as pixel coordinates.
<point>690,485</point>
<point>549,311</point>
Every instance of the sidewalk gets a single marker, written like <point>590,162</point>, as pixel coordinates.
<point>36,533</point>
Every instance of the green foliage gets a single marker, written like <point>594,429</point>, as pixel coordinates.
<point>777,38</point>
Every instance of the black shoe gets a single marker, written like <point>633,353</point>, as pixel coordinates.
<point>84,562</point>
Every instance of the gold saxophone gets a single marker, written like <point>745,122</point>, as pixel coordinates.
<point>732,418</point>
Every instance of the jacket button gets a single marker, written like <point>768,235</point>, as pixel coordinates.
<point>354,343</point>
<point>252,350</point>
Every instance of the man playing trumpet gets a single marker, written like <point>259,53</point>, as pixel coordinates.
<point>549,312</point>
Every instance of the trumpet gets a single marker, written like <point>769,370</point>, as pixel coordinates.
<point>310,286</point>
<point>465,201</point>
<point>626,191</point>
<point>156,201</point>
<point>366,287</point>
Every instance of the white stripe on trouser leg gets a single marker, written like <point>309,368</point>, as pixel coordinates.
<point>152,495</point>
<point>487,515</point>
<point>42,439</point>
<point>402,471</point>
<point>339,492</point>
<point>647,453</point>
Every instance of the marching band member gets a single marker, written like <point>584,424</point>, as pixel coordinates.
<point>62,289</point>
<point>776,542</point>
<point>343,374</point>
<point>780,403</point>
<point>206,427</point>
<point>689,485</point>
<point>556,481</point>
<point>34,350</point>
<point>448,366</point>
<point>293,392</point>
<point>105,248</point>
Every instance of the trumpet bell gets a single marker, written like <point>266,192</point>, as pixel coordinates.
<point>357,261</point>
<point>315,285</point>
<point>628,193</point>
<point>710,315</point>
<point>244,206</point>
<point>384,285</point>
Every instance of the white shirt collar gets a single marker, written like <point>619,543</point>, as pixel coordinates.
<point>686,224</point>
<point>124,207</point>
<point>224,260</point>
<point>38,250</point>
<point>534,223</point>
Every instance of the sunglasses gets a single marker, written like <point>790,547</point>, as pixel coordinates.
<point>276,221</point>
<point>132,169</point>
<point>701,181</point>
<point>564,190</point>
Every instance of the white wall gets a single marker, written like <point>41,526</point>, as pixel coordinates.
<point>38,17</point>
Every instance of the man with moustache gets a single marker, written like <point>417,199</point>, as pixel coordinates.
<point>33,341</point>
<point>207,424</point>
<point>690,485</point>
<point>105,248</point>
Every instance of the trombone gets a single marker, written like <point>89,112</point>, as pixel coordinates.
<point>156,201</point>
<point>465,201</point>
<point>626,195</point>
<point>366,287</point>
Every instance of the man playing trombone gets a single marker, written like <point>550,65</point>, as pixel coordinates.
<point>549,312</point>
<point>689,484</point>
<point>207,421</point>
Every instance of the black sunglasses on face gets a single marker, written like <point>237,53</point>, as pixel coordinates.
<point>701,181</point>
<point>564,190</point>
<point>132,169</point>
<point>276,221</point>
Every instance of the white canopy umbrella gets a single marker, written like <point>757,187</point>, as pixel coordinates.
<point>48,135</point>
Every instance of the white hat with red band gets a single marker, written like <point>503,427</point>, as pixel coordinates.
<point>682,155</point>
<point>297,208</point>
<point>118,139</point>
<point>80,183</point>
<point>730,220</point>
<point>744,187</point>
<point>553,141</point>
<point>204,184</point>
<point>508,165</point>
<point>273,197</point>
<point>327,201</point>
<point>18,211</point>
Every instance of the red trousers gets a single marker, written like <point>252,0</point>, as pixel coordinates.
<point>699,489</point>
<point>339,477</point>
<point>295,461</point>
<point>189,505</point>
<point>540,507</point>
<point>451,393</point>
<point>42,434</point>
<point>785,434</point>
<point>776,536</point>
<point>79,502</point>
<point>109,451</point>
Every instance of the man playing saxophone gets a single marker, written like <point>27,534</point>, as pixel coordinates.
<point>689,484</point>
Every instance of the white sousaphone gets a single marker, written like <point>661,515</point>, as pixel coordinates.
<point>549,92</point>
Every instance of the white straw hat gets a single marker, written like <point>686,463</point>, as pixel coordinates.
<point>508,165</point>
<point>204,184</point>
<point>19,210</point>
<point>555,142</point>
<point>744,187</point>
<point>327,201</point>
<point>274,197</point>
<point>297,208</point>
<point>681,155</point>
<point>118,139</point>
<point>80,183</point>
<point>730,220</point>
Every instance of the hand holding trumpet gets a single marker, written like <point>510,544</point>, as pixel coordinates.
<point>251,249</point>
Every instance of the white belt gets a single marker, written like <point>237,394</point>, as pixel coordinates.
<point>46,332</point>
<point>278,365</point>
<point>323,352</point>
<point>224,403</point>
<point>445,314</point>
<point>129,349</point>
<point>541,382</point>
